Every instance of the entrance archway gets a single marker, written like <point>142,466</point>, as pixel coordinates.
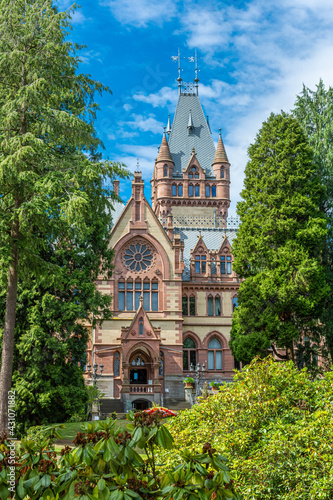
<point>141,404</point>
<point>140,369</point>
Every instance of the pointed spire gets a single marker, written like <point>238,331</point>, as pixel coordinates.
<point>220,155</point>
<point>190,125</point>
<point>207,120</point>
<point>168,130</point>
<point>164,152</point>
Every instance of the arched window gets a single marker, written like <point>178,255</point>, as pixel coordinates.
<point>180,190</point>
<point>222,172</point>
<point>174,190</point>
<point>207,191</point>
<point>214,305</point>
<point>121,295</point>
<point>214,354</point>
<point>165,170</point>
<point>190,190</point>
<point>196,175</point>
<point>234,303</point>
<point>214,191</point>
<point>188,304</point>
<point>116,364</point>
<point>189,354</point>
<point>141,326</point>
<point>197,190</point>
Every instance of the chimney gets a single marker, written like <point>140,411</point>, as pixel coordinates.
<point>116,187</point>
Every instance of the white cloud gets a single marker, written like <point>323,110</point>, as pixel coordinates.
<point>141,12</point>
<point>146,124</point>
<point>162,98</point>
<point>127,107</point>
<point>78,17</point>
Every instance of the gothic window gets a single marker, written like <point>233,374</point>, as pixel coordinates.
<point>207,191</point>
<point>138,257</point>
<point>180,190</point>
<point>214,191</point>
<point>214,305</point>
<point>197,190</point>
<point>129,294</point>
<point>196,175</point>
<point>188,305</point>
<point>190,176</point>
<point>214,354</point>
<point>165,171</point>
<point>190,190</point>
<point>200,264</point>
<point>222,172</point>
<point>174,190</point>
<point>138,293</point>
<point>141,326</point>
<point>116,364</point>
<point>189,354</point>
<point>121,295</point>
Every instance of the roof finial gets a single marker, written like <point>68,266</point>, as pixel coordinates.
<point>196,79</point>
<point>164,128</point>
<point>220,134</point>
<point>179,79</point>
<point>141,300</point>
<point>208,124</point>
<point>137,165</point>
<point>168,126</point>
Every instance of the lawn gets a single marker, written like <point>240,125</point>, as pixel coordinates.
<point>72,428</point>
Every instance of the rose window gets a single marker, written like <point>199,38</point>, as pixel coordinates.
<point>138,257</point>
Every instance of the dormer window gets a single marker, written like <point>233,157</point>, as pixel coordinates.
<point>200,264</point>
<point>165,171</point>
<point>226,264</point>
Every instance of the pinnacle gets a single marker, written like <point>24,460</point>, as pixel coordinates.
<point>164,152</point>
<point>220,155</point>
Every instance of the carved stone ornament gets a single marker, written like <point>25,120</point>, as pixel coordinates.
<point>133,333</point>
<point>138,256</point>
<point>149,333</point>
<point>158,272</point>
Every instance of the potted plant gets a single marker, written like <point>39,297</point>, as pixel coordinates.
<point>189,382</point>
<point>215,385</point>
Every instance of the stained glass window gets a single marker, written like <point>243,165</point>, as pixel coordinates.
<point>138,257</point>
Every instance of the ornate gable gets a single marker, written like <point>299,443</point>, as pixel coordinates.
<point>141,327</point>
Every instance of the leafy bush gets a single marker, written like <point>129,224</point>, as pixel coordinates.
<point>106,465</point>
<point>274,424</point>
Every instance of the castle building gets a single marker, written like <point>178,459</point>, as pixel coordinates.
<point>173,284</point>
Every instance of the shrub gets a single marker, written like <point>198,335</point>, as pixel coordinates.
<point>105,465</point>
<point>274,424</point>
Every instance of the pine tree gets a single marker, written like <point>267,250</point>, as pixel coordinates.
<point>278,248</point>
<point>47,151</point>
<point>314,111</point>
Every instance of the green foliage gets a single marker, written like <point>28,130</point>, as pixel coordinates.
<point>314,111</point>
<point>188,380</point>
<point>278,248</point>
<point>105,465</point>
<point>275,426</point>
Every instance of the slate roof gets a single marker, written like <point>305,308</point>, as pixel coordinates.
<point>116,212</point>
<point>181,143</point>
<point>212,238</point>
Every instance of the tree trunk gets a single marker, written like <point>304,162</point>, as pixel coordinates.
<point>9,329</point>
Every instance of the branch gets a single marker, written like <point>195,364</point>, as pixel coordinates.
<point>281,356</point>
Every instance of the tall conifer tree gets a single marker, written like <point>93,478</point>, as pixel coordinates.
<point>278,248</point>
<point>47,150</point>
<point>314,111</point>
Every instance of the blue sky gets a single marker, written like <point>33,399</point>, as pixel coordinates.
<point>253,57</point>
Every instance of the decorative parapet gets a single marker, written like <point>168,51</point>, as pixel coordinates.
<point>202,222</point>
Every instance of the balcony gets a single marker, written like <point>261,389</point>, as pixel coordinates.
<point>141,389</point>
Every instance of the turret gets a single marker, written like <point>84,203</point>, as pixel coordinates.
<point>163,171</point>
<point>221,167</point>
